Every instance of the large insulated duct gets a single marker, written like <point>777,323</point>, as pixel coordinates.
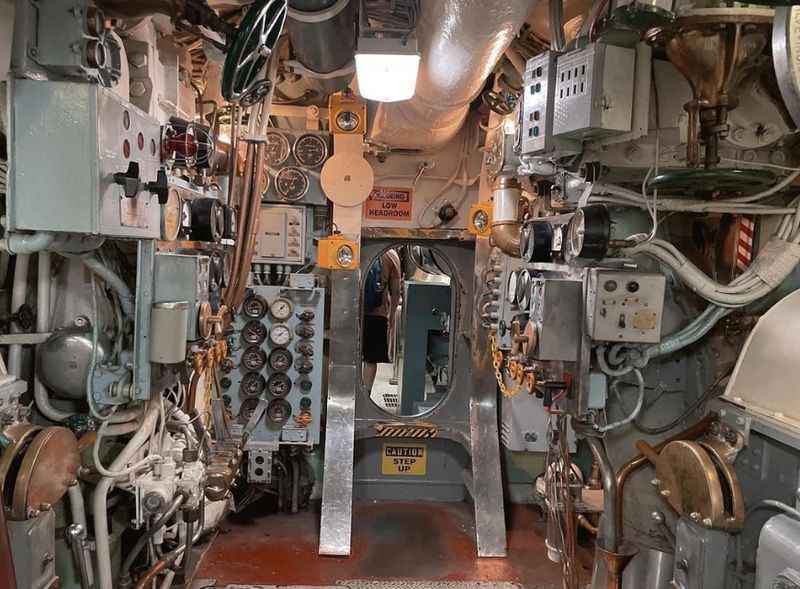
<point>323,37</point>
<point>460,42</point>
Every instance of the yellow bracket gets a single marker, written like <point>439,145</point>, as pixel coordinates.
<point>480,219</point>
<point>338,253</point>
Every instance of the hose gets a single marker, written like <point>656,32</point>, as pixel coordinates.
<point>114,282</point>
<point>636,410</point>
<point>180,498</point>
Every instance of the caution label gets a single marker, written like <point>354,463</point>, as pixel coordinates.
<point>404,459</point>
<point>388,204</point>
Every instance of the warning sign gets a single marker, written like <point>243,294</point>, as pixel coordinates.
<point>404,459</point>
<point>388,204</point>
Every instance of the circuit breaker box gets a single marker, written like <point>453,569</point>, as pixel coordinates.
<point>626,306</point>
<point>80,135</point>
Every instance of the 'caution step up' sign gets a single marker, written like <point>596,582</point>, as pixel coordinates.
<point>404,459</point>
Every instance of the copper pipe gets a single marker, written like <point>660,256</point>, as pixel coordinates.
<point>506,227</point>
<point>587,525</point>
<point>506,236</point>
<point>241,217</point>
<point>637,462</point>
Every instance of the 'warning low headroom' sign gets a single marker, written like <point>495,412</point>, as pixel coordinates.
<point>388,204</point>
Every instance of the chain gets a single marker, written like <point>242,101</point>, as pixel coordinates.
<point>497,361</point>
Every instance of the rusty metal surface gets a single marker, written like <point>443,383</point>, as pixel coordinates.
<point>391,540</point>
<point>49,467</point>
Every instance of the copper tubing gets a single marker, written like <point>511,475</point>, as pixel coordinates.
<point>506,236</point>
<point>506,227</point>
<point>637,462</point>
<point>587,525</point>
<point>241,217</point>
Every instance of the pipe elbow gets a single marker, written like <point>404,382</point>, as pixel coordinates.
<point>506,227</point>
<point>24,243</point>
<point>506,236</point>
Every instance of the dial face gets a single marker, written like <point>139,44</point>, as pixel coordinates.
<point>279,410</point>
<point>281,309</point>
<point>246,410</point>
<point>575,234</point>
<point>278,149</point>
<point>254,333</point>
<point>253,358</point>
<point>279,385</point>
<point>254,307</point>
<point>280,335</point>
<point>511,287</point>
<point>280,360</point>
<point>523,290</point>
<point>347,120</point>
<point>291,183</point>
<point>171,214</point>
<point>310,150</point>
<point>304,331</point>
<point>252,384</point>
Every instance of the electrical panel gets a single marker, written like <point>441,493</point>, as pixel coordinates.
<point>68,141</point>
<point>276,369</point>
<point>555,310</point>
<point>626,306</point>
<point>281,235</point>
<point>538,108</point>
<point>187,278</point>
<point>295,159</point>
<point>593,92</point>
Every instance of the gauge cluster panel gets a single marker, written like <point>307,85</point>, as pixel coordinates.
<point>294,161</point>
<point>282,234</point>
<point>277,358</point>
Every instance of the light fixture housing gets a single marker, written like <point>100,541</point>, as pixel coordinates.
<point>387,68</point>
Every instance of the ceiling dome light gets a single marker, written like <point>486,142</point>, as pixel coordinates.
<point>387,68</point>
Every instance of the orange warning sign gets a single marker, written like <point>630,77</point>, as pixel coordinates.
<point>388,204</point>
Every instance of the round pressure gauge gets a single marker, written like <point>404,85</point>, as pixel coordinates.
<point>279,411</point>
<point>254,307</point>
<point>278,148</point>
<point>511,287</point>
<point>246,410</point>
<point>280,360</point>
<point>280,335</point>
<point>524,290</point>
<point>281,309</point>
<point>252,384</point>
<point>292,183</point>
<point>254,358</point>
<point>310,150</point>
<point>279,385</point>
<point>347,121</point>
<point>254,333</point>
<point>588,233</point>
<point>171,212</point>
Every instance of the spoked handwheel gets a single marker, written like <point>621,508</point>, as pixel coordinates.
<point>243,77</point>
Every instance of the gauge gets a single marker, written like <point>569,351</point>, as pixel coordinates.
<point>347,121</point>
<point>588,233</point>
<point>303,366</point>
<point>254,333</point>
<point>281,309</point>
<point>304,331</point>
<point>511,287</point>
<point>252,384</point>
<point>186,216</point>
<point>310,150</point>
<point>278,149</point>
<point>265,180</point>
<point>279,385</point>
<point>171,214</point>
<point>279,411</point>
<point>246,410</point>
<point>280,360</point>
<point>254,307</point>
<point>291,183</point>
<point>280,334</point>
<point>575,233</point>
<point>524,290</point>
<point>253,358</point>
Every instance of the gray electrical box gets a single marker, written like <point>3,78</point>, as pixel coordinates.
<point>538,108</point>
<point>180,277</point>
<point>281,235</point>
<point>594,92</point>
<point>68,139</point>
<point>556,312</point>
<point>626,306</point>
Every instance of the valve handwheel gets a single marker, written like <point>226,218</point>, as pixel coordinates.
<point>242,77</point>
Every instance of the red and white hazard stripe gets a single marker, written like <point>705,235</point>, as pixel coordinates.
<point>744,242</point>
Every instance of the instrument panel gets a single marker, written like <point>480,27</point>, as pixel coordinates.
<point>294,162</point>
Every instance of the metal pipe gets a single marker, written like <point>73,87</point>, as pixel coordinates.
<point>608,531</point>
<point>100,496</point>
<point>40,393</point>
<point>126,299</point>
<point>27,243</point>
<point>460,42</point>
<point>76,537</point>
<point>18,292</point>
<point>506,227</point>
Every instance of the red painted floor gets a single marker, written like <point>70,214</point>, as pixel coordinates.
<point>423,541</point>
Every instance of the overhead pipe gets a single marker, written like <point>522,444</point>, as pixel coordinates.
<point>460,41</point>
<point>506,226</point>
